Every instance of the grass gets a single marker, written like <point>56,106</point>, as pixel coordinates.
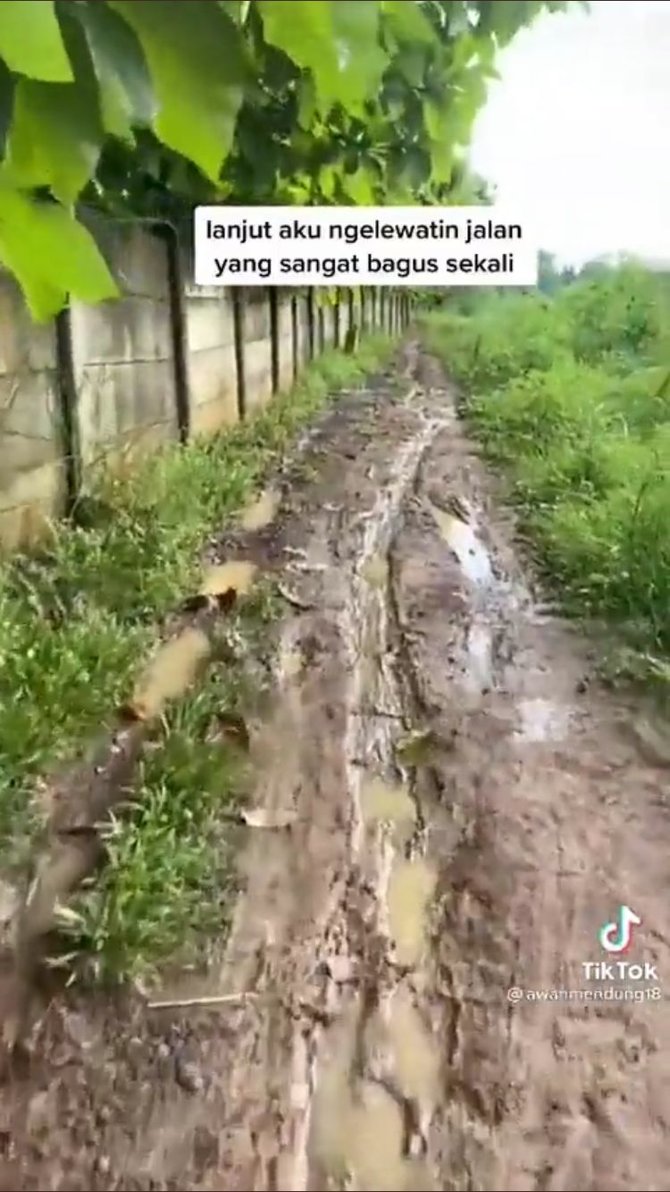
<point>571,397</point>
<point>78,618</point>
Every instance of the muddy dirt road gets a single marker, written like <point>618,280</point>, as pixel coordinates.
<point>466,812</point>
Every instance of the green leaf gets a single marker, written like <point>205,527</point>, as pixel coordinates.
<point>434,120</point>
<point>298,192</point>
<point>126,93</point>
<point>31,42</point>
<point>7,83</point>
<point>327,181</point>
<point>56,134</point>
<point>459,18</point>
<point>55,138</point>
<point>232,9</point>
<point>303,29</point>
<point>306,102</point>
<point>486,50</point>
<point>197,62</point>
<point>358,186</point>
<point>51,255</point>
<point>411,167</point>
<point>361,59</point>
<point>237,10</point>
<point>410,61</point>
<point>506,17</point>
<point>465,48</point>
<point>440,128</point>
<point>407,21</point>
<point>336,40</point>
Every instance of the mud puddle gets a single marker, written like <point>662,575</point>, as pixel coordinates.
<point>237,576</point>
<point>261,512</point>
<point>460,536</point>
<point>410,890</point>
<point>542,720</point>
<point>386,802</point>
<point>458,823</point>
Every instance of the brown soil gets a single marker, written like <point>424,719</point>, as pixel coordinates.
<point>465,811</point>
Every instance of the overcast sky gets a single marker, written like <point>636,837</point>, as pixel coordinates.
<point>578,129</point>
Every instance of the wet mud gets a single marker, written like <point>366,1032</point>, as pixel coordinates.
<point>457,816</point>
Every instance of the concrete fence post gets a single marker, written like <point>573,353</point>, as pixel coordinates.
<point>285,346</point>
<point>311,323</point>
<point>336,336</point>
<point>295,336</point>
<point>321,322</point>
<point>238,332</point>
<point>273,302</point>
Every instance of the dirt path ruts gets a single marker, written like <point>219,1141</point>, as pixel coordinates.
<point>467,818</point>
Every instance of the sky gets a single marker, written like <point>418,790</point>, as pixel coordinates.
<point>576,134</point>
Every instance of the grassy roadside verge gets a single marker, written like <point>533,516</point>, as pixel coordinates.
<point>77,621</point>
<point>570,396</point>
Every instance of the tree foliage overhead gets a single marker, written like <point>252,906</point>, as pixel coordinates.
<point>148,107</point>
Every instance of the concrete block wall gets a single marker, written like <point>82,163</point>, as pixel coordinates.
<point>328,325</point>
<point>167,361</point>
<point>302,324</point>
<point>285,362</point>
<point>301,330</point>
<point>256,350</point>
<point>32,464</point>
<point>211,360</point>
<point>123,357</point>
<point>344,315</point>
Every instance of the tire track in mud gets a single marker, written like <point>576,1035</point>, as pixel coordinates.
<point>460,822</point>
<point>523,814</point>
<point>558,821</point>
<point>347,938</point>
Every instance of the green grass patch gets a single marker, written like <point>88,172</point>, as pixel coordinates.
<point>170,875</point>
<point>77,620</point>
<point>571,396</point>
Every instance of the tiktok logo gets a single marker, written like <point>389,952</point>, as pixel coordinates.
<point>617,936</point>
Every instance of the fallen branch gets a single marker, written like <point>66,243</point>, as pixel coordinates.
<point>221,999</point>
